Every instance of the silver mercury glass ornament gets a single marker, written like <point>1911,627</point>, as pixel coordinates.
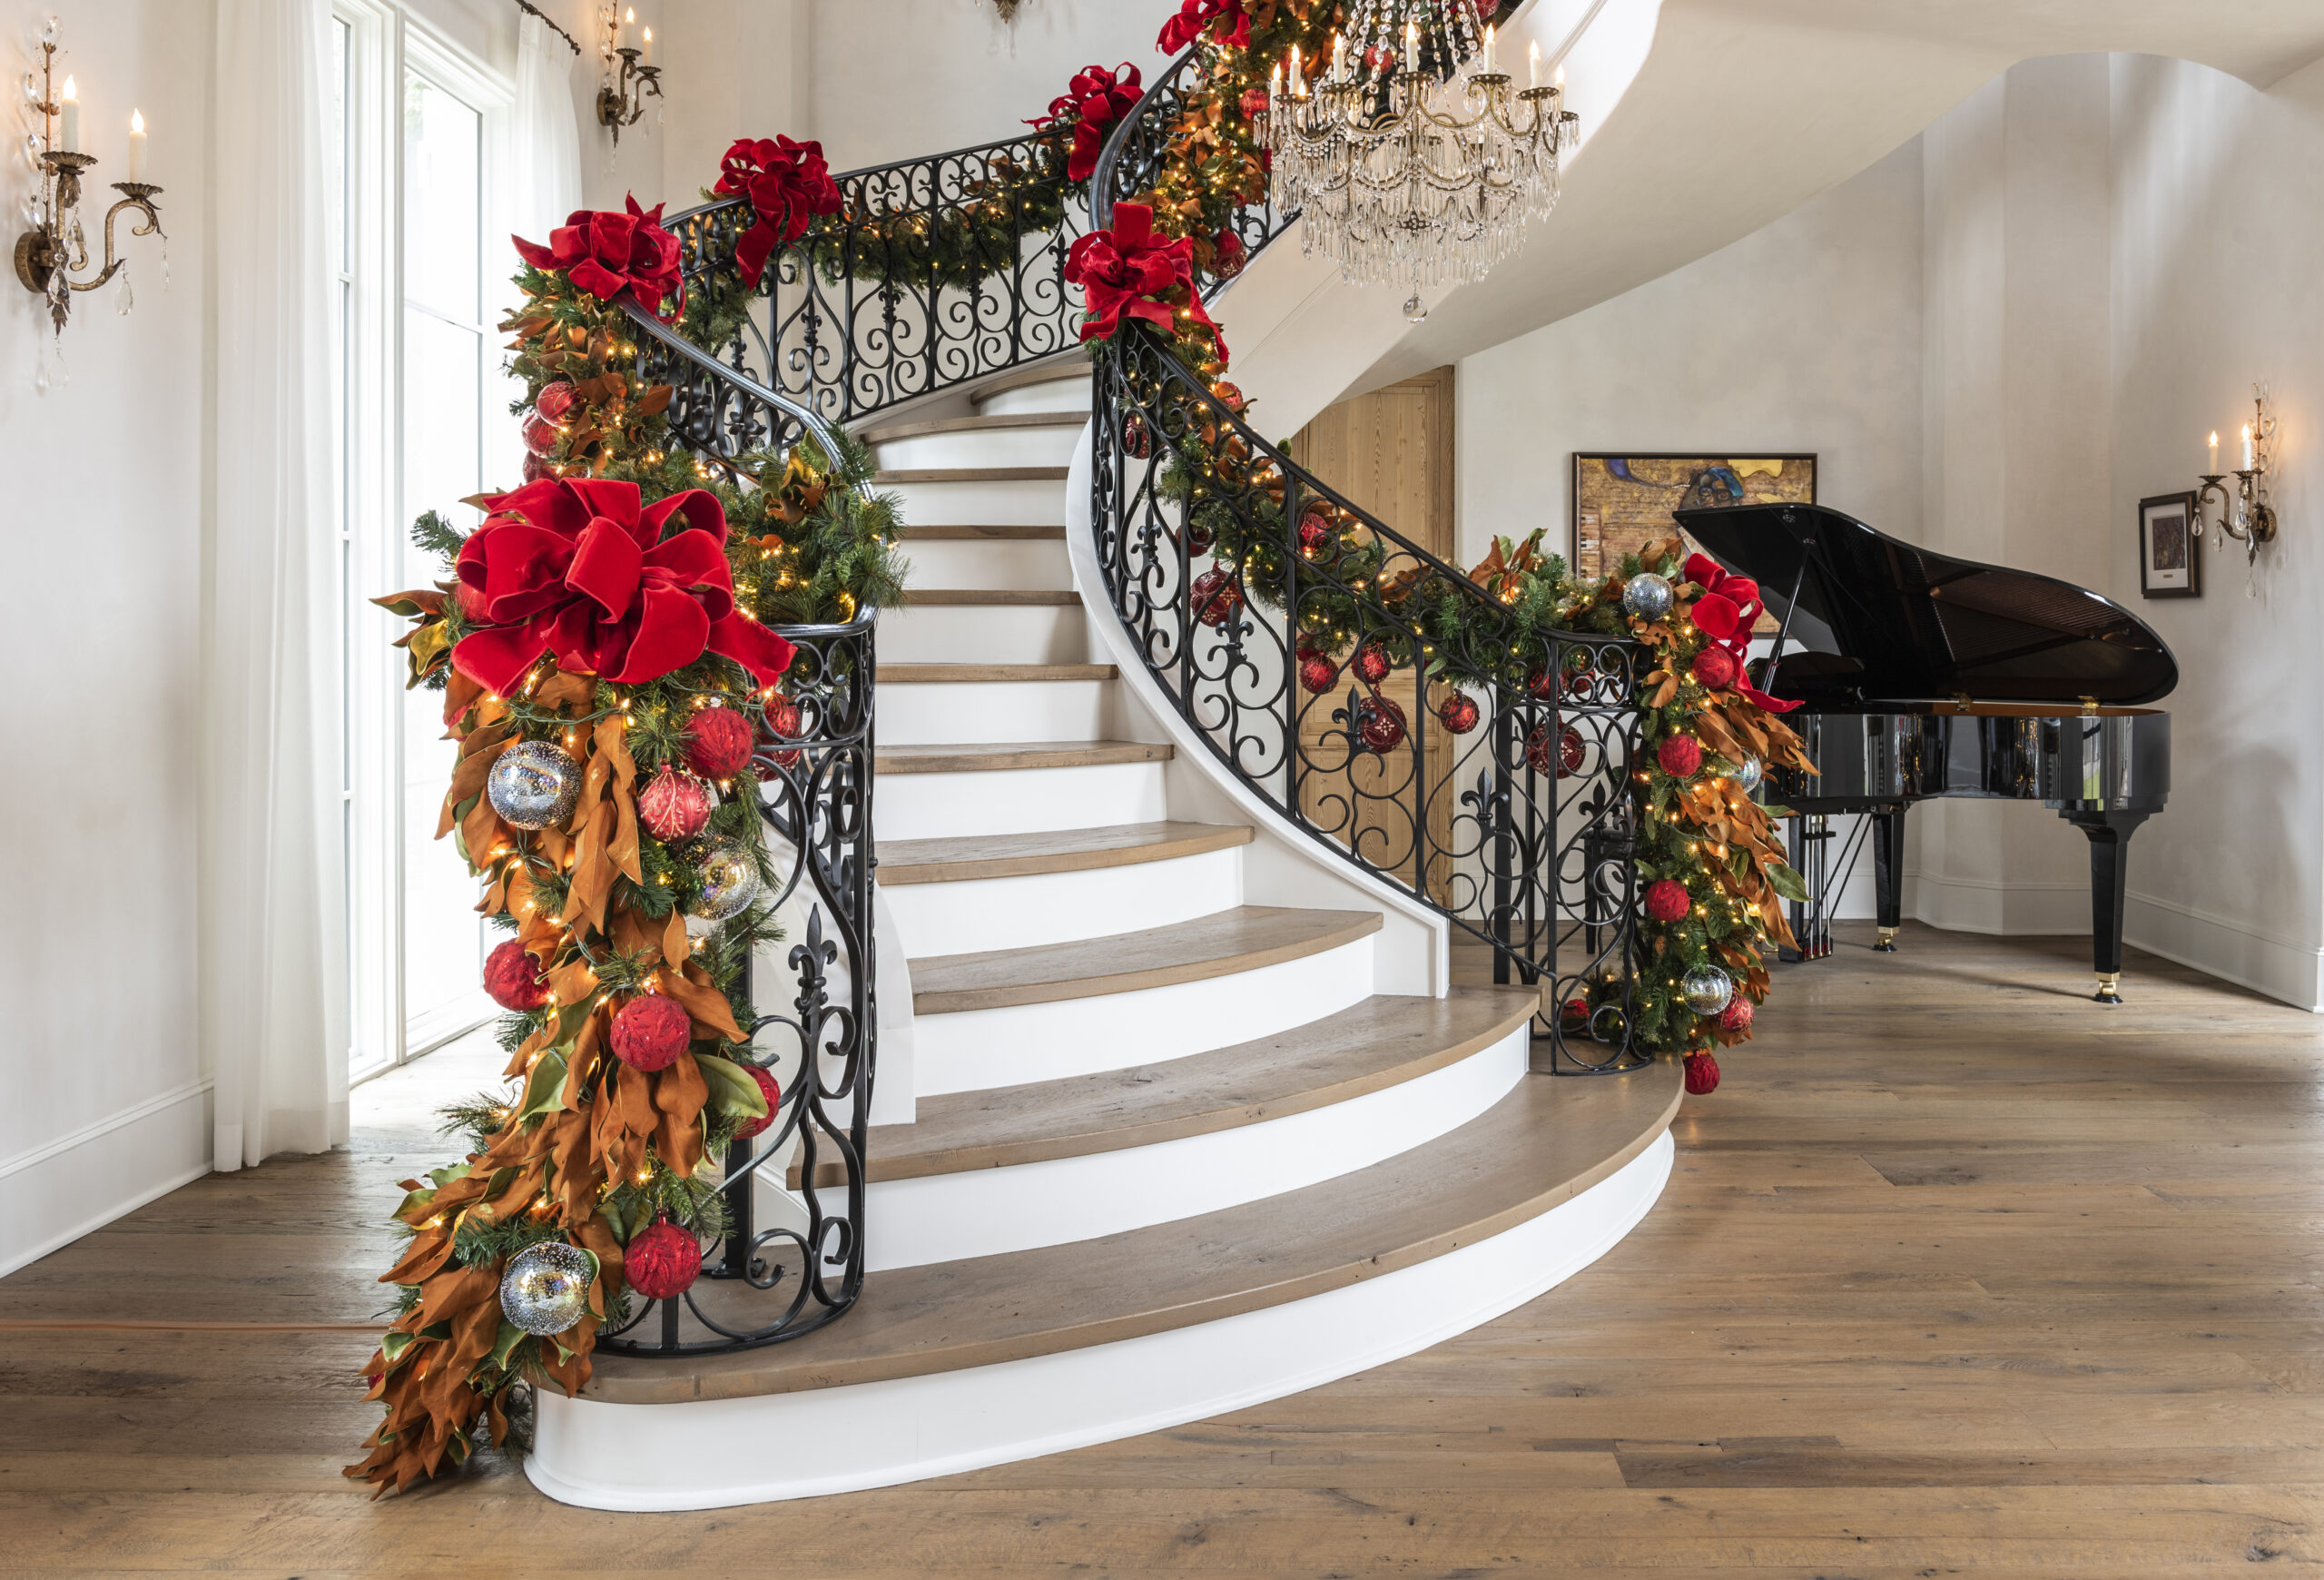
<point>533,784</point>
<point>1747,775</point>
<point>1646,595</point>
<point>730,881</point>
<point>1706,990</point>
<point>546,1290</point>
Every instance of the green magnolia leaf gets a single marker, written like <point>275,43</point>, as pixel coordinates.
<point>411,1199</point>
<point>731,1089</point>
<point>1778,812</point>
<point>395,1344</point>
<point>1784,881</point>
<point>510,1337</point>
<point>545,1089</point>
<point>449,1173</point>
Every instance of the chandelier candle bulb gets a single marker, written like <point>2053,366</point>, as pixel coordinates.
<point>1339,57</point>
<point>1411,46</point>
<point>68,131</point>
<point>1487,58</point>
<point>137,145</point>
<point>1533,66</point>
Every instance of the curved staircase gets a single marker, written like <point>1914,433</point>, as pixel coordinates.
<point>1171,1152</point>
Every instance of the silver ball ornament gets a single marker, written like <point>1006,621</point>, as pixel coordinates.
<point>533,784</point>
<point>1646,595</point>
<point>730,881</point>
<point>546,1290</point>
<point>1747,775</point>
<point>1706,990</point>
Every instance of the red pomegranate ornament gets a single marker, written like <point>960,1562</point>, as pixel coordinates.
<point>1371,663</point>
<point>1703,1074</point>
<point>1667,900</point>
<point>674,805</point>
<point>1137,443</point>
<point>555,401</point>
<point>783,723</point>
<point>662,1260</point>
<point>773,1095</point>
<point>512,978</point>
<point>1216,597</point>
<point>1318,673</point>
<point>1679,756</point>
<point>718,742</point>
<point>1380,724</point>
<point>1714,667</point>
<point>1737,1016</point>
<point>650,1032</point>
<point>1458,712</point>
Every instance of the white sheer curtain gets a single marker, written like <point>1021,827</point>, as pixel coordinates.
<point>273,979</point>
<point>546,183</point>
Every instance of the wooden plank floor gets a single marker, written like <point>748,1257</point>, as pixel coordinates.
<point>1958,1273</point>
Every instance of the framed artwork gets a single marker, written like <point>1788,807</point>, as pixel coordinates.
<point>2169,536</point>
<point>1623,501</point>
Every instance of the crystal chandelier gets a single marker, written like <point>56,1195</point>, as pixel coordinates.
<point>1412,158</point>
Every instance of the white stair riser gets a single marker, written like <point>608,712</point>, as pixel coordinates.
<point>981,504</point>
<point>1017,800</point>
<point>963,712</point>
<point>1044,446</point>
<point>991,1211</point>
<point>976,1049</point>
<point>984,634</point>
<point>1021,913</point>
<point>1053,395</point>
<point>1031,563</point>
<point>720,1453</point>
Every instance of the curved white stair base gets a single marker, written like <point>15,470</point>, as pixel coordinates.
<point>1000,563</point>
<point>1067,391</point>
<point>1048,445</point>
<point>972,1050</point>
<point>1018,913</point>
<point>991,633</point>
<point>963,712</point>
<point>718,1453</point>
<point>1018,800</point>
<point>1035,502</point>
<point>983,1212</point>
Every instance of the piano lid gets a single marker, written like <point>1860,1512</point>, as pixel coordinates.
<point>1884,622</point>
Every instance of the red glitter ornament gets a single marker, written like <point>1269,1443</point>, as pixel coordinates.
<point>1570,751</point>
<point>661,1262</point>
<point>555,401</point>
<point>1318,673</point>
<point>536,468</point>
<point>773,1095</point>
<point>674,805</point>
<point>1714,667</point>
<point>718,742</point>
<point>1545,685</point>
<point>1315,532</point>
<point>1137,443</point>
<point>541,435</point>
<point>1458,712</point>
<point>1737,1016</point>
<point>1371,663</point>
<point>1216,597</point>
<point>512,978</point>
<point>1679,756</point>
<point>1703,1074</point>
<point>1667,900</point>
<point>782,724</point>
<point>650,1032</point>
<point>1380,724</point>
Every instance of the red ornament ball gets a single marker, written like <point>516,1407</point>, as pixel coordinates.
<point>1569,753</point>
<point>1315,532</point>
<point>536,468</point>
<point>541,435</point>
<point>1667,900</point>
<point>1216,597</point>
<point>1137,443</point>
<point>555,401</point>
<point>1679,756</point>
<point>1716,667</point>
<point>782,724</point>
<point>674,805</point>
<point>718,742</point>
<point>1703,1074</point>
<point>1198,540</point>
<point>475,607</point>
<point>1232,397</point>
<point>1545,685</point>
<point>1380,724</point>
<point>1737,1016</point>
<point>514,978</point>
<point>773,1095</point>
<point>1371,663</point>
<point>650,1032</point>
<point>1458,712</point>
<point>1318,673</point>
<point>661,1262</point>
<point>1575,1012</point>
<point>1253,104</point>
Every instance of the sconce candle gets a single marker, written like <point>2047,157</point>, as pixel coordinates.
<point>2214,466</point>
<point>137,145</point>
<point>2245,512</point>
<point>2249,460</point>
<point>68,129</point>
<point>46,254</point>
<point>649,48</point>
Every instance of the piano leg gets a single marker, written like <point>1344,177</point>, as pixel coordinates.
<point>1888,874</point>
<point>2110,855</point>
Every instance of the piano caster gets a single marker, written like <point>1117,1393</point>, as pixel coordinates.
<point>1886,943</point>
<point>2110,987</point>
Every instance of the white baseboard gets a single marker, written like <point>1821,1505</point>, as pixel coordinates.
<point>2004,910</point>
<point>119,1163</point>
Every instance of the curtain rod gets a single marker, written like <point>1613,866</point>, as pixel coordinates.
<point>528,7</point>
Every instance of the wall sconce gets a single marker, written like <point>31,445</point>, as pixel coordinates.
<point>2245,514</point>
<point>48,254</point>
<point>630,73</point>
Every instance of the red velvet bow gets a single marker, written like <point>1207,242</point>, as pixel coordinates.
<point>605,253</point>
<point>1094,100</point>
<point>1195,16</point>
<point>1124,272</point>
<point>1730,607</point>
<point>787,183</point>
<point>571,565</point>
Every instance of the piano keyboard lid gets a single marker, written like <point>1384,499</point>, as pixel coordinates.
<point>1884,622</point>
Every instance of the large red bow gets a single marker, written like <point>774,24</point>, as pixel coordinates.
<point>787,183</point>
<point>571,565</point>
<point>605,253</point>
<point>1124,272</point>
<point>1195,16</point>
<point>1094,100</point>
<point>1730,607</point>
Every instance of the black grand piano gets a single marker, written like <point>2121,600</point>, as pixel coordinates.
<point>1920,675</point>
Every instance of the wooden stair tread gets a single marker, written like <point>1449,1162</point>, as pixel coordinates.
<point>1070,849</point>
<point>959,674</point>
<point>1544,1143</point>
<point>979,759</point>
<point>911,533</point>
<point>974,425</point>
<point>1381,1042</point>
<point>1070,366</point>
<point>971,475</point>
<point>1007,597</point>
<point>1246,938</point>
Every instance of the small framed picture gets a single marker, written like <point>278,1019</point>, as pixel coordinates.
<point>2169,538</point>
